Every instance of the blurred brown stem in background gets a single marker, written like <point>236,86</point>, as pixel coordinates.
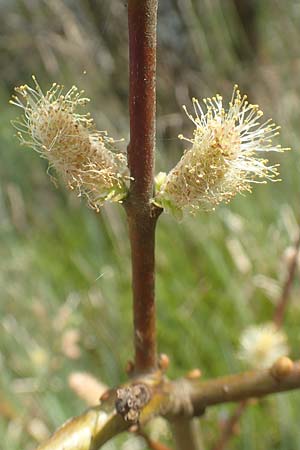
<point>228,431</point>
<point>247,11</point>
<point>284,298</point>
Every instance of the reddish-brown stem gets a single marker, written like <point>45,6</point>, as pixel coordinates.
<point>287,285</point>
<point>142,216</point>
<point>142,240</point>
<point>142,19</point>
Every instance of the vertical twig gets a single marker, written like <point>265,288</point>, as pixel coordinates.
<point>186,434</point>
<point>287,285</point>
<point>142,216</point>
<point>278,316</point>
<point>230,425</point>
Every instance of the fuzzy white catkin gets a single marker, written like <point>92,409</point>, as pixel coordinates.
<point>222,160</point>
<point>86,159</point>
<point>87,387</point>
<point>261,345</point>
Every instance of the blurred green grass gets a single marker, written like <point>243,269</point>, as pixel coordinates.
<point>64,267</point>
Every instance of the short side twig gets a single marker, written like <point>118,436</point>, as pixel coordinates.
<point>242,386</point>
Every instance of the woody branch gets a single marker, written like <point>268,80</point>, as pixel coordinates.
<point>181,398</point>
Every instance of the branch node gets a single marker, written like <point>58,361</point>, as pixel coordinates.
<point>194,374</point>
<point>180,403</point>
<point>225,389</point>
<point>129,368</point>
<point>282,368</point>
<point>163,362</point>
<point>106,395</point>
<point>131,400</point>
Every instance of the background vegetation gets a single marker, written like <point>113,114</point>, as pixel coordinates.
<point>65,271</point>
